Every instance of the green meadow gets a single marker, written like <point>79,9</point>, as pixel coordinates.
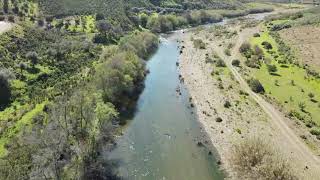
<point>290,86</point>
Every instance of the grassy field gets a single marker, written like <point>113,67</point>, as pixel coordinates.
<point>290,85</point>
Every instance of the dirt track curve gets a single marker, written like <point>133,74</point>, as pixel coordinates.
<point>276,117</point>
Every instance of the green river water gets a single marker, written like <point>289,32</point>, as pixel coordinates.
<point>161,141</point>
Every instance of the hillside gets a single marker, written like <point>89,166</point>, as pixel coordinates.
<point>116,8</point>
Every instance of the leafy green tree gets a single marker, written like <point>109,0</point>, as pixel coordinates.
<point>143,20</point>
<point>6,6</point>
<point>33,57</point>
<point>256,86</point>
<point>235,62</point>
<point>5,89</point>
<point>22,66</point>
<point>272,68</point>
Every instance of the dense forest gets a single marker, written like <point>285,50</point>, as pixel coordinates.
<point>71,70</point>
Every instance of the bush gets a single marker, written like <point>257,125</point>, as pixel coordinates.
<point>227,104</point>
<point>33,57</point>
<point>5,89</point>
<point>256,86</point>
<point>227,52</point>
<point>141,43</point>
<point>315,131</point>
<point>266,45</point>
<point>272,68</point>
<point>199,44</point>
<point>220,63</point>
<point>258,52</point>
<point>256,35</point>
<point>235,62</point>
<point>245,47</point>
<point>11,19</point>
<point>311,95</point>
<point>255,159</point>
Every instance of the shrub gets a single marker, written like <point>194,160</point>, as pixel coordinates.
<point>315,131</point>
<point>99,16</point>
<point>2,18</point>
<point>235,62</point>
<point>11,19</point>
<point>142,43</point>
<point>199,44</point>
<point>227,52</point>
<point>227,104</point>
<point>258,52</point>
<point>296,114</point>
<point>302,106</point>
<point>5,89</point>
<point>256,86</point>
<point>41,22</point>
<point>272,68</point>
<point>220,63</point>
<point>255,159</point>
<point>256,35</point>
<point>266,45</point>
<point>219,119</point>
<point>245,47</point>
<point>33,57</point>
<point>311,95</point>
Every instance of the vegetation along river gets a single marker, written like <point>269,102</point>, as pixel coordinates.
<point>161,142</point>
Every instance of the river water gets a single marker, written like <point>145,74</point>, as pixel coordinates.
<point>161,141</point>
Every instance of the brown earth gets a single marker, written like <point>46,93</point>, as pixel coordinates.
<point>306,42</point>
<point>249,115</point>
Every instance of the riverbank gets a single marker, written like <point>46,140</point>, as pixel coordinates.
<point>228,112</point>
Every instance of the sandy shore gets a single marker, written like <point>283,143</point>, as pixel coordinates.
<point>210,88</point>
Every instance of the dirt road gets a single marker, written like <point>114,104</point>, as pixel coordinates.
<point>293,140</point>
<point>254,116</point>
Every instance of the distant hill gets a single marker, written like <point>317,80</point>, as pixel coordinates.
<point>116,8</point>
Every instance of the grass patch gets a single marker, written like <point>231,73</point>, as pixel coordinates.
<point>290,84</point>
<point>26,120</point>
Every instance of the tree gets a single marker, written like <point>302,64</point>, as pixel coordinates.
<point>143,20</point>
<point>22,66</point>
<point>266,45</point>
<point>256,86</point>
<point>272,68</point>
<point>6,6</point>
<point>103,27</point>
<point>33,57</point>
<point>99,16</point>
<point>235,62</point>
<point>5,89</point>
<point>258,51</point>
<point>245,47</point>
<point>311,95</point>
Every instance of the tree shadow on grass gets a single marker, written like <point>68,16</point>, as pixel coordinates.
<point>275,74</point>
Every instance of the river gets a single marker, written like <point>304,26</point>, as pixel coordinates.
<point>162,140</point>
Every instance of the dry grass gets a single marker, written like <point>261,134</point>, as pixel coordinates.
<point>256,159</point>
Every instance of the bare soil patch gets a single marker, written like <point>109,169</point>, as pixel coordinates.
<point>306,41</point>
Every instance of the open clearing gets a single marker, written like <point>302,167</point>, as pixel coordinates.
<point>4,26</point>
<point>205,81</point>
<point>306,41</point>
<point>291,79</point>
